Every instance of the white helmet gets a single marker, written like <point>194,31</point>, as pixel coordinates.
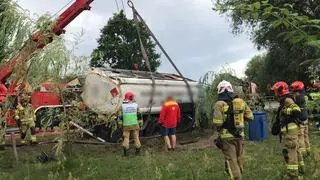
<point>224,86</point>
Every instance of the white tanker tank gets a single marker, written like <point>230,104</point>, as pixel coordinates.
<point>104,88</point>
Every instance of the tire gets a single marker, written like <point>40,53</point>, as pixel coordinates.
<point>116,135</point>
<point>152,129</point>
<point>43,120</point>
<point>105,133</point>
<point>187,123</point>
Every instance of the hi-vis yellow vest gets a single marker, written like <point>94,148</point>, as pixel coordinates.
<point>130,114</point>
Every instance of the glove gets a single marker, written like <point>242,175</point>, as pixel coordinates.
<point>120,124</point>
<point>140,123</point>
<point>218,142</point>
<point>287,111</point>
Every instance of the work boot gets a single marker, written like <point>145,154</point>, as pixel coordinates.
<point>125,152</point>
<point>290,177</point>
<point>23,142</point>
<point>137,151</point>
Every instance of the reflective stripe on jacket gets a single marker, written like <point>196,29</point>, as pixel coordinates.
<point>130,114</point>
<point>25,113</point>
<point>291,126</point>
<point>289,115</point>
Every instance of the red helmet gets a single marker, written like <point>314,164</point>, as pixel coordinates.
<point>297,86</point>
<point>128,96</point>
<point>281,88</point>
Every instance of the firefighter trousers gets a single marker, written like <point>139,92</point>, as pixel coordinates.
<point>232,150</point>
<point>126,138</point>
<point>24,127</point>
<point>290,152</point>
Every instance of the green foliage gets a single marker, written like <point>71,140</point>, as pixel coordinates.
<point>287,29</point>
<point>209,84</point>
<point>298,21</point>
<point>119,46</point>
<point>255,71</point>
<point>55,61</point>
<point>262,160</point>
<point>15,28</point>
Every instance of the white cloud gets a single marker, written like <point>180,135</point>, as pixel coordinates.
<point>197,39</point>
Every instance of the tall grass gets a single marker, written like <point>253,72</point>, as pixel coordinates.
<point>263,161</point>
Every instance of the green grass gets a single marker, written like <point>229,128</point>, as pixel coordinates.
<point>263,160</point>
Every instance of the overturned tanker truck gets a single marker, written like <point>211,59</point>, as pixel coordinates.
<point>103,91</point>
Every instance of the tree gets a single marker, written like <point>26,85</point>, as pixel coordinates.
<point>287,29</point>
<point>119,45</point>
<point>256,71</point>
<point>14,29</point>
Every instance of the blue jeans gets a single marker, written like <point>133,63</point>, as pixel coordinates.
<point>168,131</point>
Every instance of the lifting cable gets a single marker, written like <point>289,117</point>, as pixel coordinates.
<point>137,16</point>
<point>116,1</point>
<point>146,59</point>
<point>62,8</point>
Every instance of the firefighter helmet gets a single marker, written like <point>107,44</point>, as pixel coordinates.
<point>281,88</point>
<point>128,96</point>
<point>224,86</point>
<point>297,86</point>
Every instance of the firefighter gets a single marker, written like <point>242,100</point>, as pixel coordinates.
<point>130,121</point>
<point>301,100</point>
<point>169,118</point>
<point>25,116</point>
<point>229,115</point>
<point>288,124</point>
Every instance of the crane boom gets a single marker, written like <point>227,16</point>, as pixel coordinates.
<point>38,41</point>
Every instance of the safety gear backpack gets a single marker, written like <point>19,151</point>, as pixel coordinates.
<point>300,100</point>
<point>234,122</point>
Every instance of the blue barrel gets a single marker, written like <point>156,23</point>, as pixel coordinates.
<point>258,127</point>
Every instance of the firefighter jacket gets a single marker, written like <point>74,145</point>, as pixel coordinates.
<point>169,114</point>
<point>220,118</point>
<point>25,114</point>
<point>289,115</point>
<point>130,116</point>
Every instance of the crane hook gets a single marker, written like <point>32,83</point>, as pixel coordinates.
<point>130,4</point>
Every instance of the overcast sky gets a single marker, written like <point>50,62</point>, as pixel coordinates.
<point>196,38</point>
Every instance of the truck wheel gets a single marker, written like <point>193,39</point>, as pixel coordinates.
<point>187,123</point>
<point>152,129</point>
<point>42,119</point>
<point>48,118</point>
<point>105,133</point>
<point>204,121</point>
<point>116,135</point>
